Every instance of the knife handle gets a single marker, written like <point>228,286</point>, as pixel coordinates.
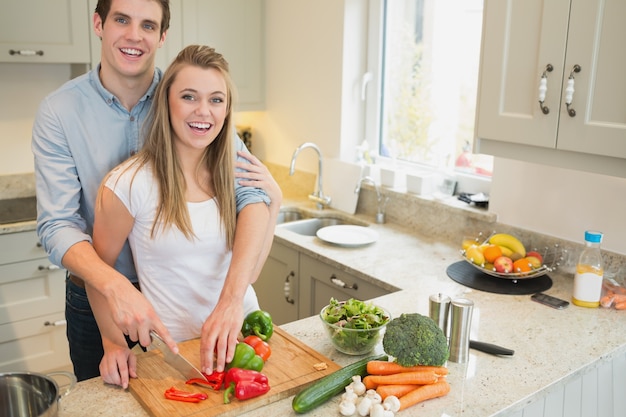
<point>490,348</point>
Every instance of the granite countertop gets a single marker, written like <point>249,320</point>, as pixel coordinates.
<point>551,346</point>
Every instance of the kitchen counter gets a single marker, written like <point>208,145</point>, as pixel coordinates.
<point>552,347</point>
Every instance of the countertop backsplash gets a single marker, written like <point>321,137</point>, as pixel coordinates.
<point>17,186</point>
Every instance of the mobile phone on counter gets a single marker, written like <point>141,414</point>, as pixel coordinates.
<point>549,300</point>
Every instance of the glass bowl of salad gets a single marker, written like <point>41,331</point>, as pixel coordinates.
<point>354,327</point>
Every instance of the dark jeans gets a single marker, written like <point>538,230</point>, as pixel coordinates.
<point>83,334</point>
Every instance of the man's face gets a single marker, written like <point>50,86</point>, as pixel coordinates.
<point>131,35</point>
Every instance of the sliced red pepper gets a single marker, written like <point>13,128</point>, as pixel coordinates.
<point>261,347</point>
<point>185,396</point>
<point>214,380</point>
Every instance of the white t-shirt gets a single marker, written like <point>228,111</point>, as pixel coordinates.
<point>181,278</point>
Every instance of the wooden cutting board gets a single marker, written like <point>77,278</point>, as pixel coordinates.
<point>289,369</point>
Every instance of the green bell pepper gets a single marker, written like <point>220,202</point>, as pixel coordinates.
<point>258,323</point>
<point>246,358</point>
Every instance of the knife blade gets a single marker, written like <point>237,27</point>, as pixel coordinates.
<point>490,348</point>
<point>177,361</point>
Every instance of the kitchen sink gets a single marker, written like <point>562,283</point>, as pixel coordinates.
<point>289,215</point>
<point>309,227</point>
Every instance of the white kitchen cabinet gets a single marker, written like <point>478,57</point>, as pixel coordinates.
<point>173,39</point>
<point>522,39</point>
<point>235,28</point>
<point>320,281</point>
<point>32,305</point>
<point>277,286</point>
<point>51,31</point>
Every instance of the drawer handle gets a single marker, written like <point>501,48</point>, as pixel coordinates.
<point>340,283</point>
<point>25,52</point>
<point>50,267</point>
<point>287,288</point>
<point>55,323</point>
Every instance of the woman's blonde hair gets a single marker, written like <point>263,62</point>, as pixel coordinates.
<point>160,154</point>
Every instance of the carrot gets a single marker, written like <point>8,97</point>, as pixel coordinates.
<point>425,392</point>
<point>369,382</point>
<point>396,390</point>
<point>415,378</point>
<point>389,368</point>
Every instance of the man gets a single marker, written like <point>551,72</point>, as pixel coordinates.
<point>81,131</point>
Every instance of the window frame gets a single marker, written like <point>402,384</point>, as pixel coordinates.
<point>372,88</point>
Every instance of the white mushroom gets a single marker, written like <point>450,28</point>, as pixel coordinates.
<point>357,385</point>
<point>350,395</point>
<point>392,403</point>
<point>388,413</point>
<point>377,410</point>
<point>347,408</point>
<point>374,396</point>
<point>363,407</point>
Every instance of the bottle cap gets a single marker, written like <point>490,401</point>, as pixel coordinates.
<point>593,236</point>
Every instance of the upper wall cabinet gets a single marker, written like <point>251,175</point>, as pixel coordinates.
<point>170,48</point>
<point>50,31</point>
<point>235,28</point>
<point>552,89</point>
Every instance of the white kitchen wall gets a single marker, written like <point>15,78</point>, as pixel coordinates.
<point>560,202</point>
<point>22,87</point>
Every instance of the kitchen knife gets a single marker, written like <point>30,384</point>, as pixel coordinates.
<point>490,348</point>
<point>177,361</point>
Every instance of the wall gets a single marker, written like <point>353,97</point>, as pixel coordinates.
<point>22,87</point>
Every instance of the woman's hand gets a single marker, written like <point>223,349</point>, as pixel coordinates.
<point>257,175</point>
<point>219,335</point>
<point>118,364</point>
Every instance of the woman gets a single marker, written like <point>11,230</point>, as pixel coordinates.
<point>175,203</point>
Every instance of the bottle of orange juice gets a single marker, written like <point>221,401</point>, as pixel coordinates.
<point>589,272</point>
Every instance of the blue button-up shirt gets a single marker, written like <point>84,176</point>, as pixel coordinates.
<point>81,131</point>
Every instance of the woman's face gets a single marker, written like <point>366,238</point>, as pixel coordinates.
<point>197,105</point>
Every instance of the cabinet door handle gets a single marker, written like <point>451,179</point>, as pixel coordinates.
<point>569,90</point>
<point>50,267</point>
<point>55,323</point>
<point>543,88</point>
<point>25,52</point>
<point>340,283</point>
<point>287,288</point>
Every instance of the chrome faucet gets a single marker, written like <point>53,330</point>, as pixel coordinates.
<point>381,200</point>
<point>318,195</point>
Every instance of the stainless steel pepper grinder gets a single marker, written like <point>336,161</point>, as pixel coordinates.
<point>460,322</point>
<point>438,308</point>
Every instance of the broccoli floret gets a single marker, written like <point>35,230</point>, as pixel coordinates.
<point>413,339</point>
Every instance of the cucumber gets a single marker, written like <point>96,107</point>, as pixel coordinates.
<point>330,385</point>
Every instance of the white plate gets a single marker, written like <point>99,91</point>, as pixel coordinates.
<point>348,235</point>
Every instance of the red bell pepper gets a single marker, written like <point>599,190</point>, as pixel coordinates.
<point>214,380</point>
<point>244,384</point>
<point>185,396</point>
<point>261,347</point>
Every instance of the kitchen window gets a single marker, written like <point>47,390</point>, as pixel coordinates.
<point>426,56</point>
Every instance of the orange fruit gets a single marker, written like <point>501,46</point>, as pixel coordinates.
<point>521,265</point>
<point>492,252</point>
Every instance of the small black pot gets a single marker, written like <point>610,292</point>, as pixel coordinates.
<point>29,394</point>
